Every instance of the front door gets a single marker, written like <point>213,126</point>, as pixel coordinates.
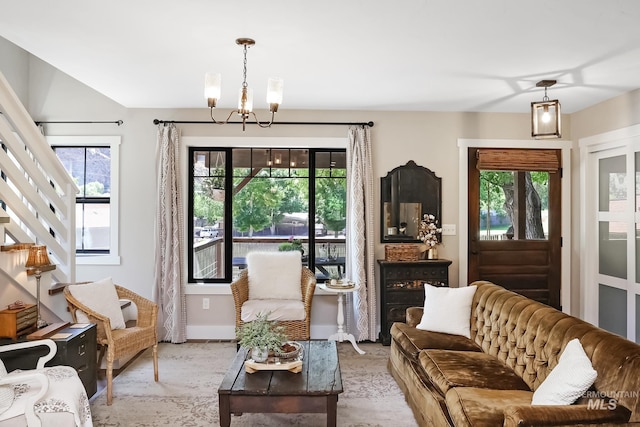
<point>515,220</point>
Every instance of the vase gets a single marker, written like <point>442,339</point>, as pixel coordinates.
<point>432,253</point>
<point>259,354</point>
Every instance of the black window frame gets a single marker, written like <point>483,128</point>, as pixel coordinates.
<point>84,200</point>
<point>228,208</point>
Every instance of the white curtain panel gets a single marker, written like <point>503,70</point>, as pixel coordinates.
<point>168,289</point>
<point>360,244</point>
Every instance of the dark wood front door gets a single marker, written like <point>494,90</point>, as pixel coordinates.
<point>515,221</point>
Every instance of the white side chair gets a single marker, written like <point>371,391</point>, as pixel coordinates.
<point>27,396</point>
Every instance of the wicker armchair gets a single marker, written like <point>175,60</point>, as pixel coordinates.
<point>122,342</point>
<point>295,329</point>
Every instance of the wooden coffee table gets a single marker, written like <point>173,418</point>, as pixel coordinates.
<point>313,390</point>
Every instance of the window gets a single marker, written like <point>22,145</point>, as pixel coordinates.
<point>90,161</point>
<point>267,199</point>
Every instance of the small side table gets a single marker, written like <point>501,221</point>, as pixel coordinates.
<point>341,335</point>
<point>17,322</point>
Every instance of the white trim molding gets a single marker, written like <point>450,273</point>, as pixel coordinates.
<point>463,209</point>
<point>113,142</point>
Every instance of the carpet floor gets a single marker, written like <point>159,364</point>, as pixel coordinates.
<point>187,393</point>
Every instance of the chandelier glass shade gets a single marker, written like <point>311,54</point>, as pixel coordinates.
<point>545,115</point>
<point>213,90</point>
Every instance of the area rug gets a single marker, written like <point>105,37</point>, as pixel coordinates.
<point>187,393</point>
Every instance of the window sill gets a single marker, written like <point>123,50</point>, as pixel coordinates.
<point>97,260</point>
<point>224,289</point>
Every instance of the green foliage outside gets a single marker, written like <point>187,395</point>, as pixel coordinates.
<point>263,201</point>
<point>492,186</point>
<point>291,245</point>
<point>331,200</point>
<point>205,207</point>
<point>93,189</point>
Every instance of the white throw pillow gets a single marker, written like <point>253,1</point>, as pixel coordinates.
<point>569,379</point>
<point>101,297</point>
<point>447,310</point>
<point>6,391</point>
<point>274,275</point>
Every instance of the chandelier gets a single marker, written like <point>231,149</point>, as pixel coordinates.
<point>213,86</point>
<point>545,115</point>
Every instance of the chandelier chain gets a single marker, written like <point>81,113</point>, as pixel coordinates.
<point>244,70</point>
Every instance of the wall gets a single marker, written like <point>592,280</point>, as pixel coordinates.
<point>428,138</point>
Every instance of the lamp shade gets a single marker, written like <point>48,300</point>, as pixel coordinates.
<point>38,257</point>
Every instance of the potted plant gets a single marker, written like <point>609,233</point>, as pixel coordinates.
<point>291,245</point>
<point>261,336</point>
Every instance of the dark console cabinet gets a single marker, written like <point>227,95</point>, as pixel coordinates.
<point>78,350</point>
<point>402,286</point>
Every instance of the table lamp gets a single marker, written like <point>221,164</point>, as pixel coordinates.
<point>37,259</point>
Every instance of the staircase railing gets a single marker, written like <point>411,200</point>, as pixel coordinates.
<point>38,194</point>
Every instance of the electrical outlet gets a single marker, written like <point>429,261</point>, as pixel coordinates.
<point>448,229</point>
<point>205,303</point>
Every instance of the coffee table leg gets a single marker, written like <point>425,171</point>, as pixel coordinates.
<point>332,410</point>
<point>224,408</point>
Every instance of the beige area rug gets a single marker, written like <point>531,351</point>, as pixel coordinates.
<point>187,393</point>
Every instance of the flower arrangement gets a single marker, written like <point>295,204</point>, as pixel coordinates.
<point>428,230</point>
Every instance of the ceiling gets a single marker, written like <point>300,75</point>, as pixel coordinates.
<point>417,55</point>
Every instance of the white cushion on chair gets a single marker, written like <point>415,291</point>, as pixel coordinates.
<point>278,309</point>
<point>100,296</point>
<point>274,275</point>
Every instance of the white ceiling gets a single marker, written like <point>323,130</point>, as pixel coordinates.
<point>421,55</point>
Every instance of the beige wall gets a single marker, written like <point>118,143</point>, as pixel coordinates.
<point>428,138</point>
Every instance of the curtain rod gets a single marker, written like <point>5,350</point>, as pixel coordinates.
<point>370,124</point>
<point>117,122</point>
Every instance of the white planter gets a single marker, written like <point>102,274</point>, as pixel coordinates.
<point>259,354</point>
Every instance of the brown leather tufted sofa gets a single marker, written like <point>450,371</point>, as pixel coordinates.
<point>488,380</point>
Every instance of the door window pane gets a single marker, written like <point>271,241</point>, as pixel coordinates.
<point>612,310</point>
<point>613,249</point>
<point>612,186</point>
<point>499,206</point>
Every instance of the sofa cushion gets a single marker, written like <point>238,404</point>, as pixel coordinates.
<point>449,368</point>
<point>447,310</point>
<point>412,340</point>
<point>470,406</point>
<point>569,379</point>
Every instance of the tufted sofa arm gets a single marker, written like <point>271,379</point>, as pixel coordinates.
<point>558,415</point>
<point>414,316</point>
